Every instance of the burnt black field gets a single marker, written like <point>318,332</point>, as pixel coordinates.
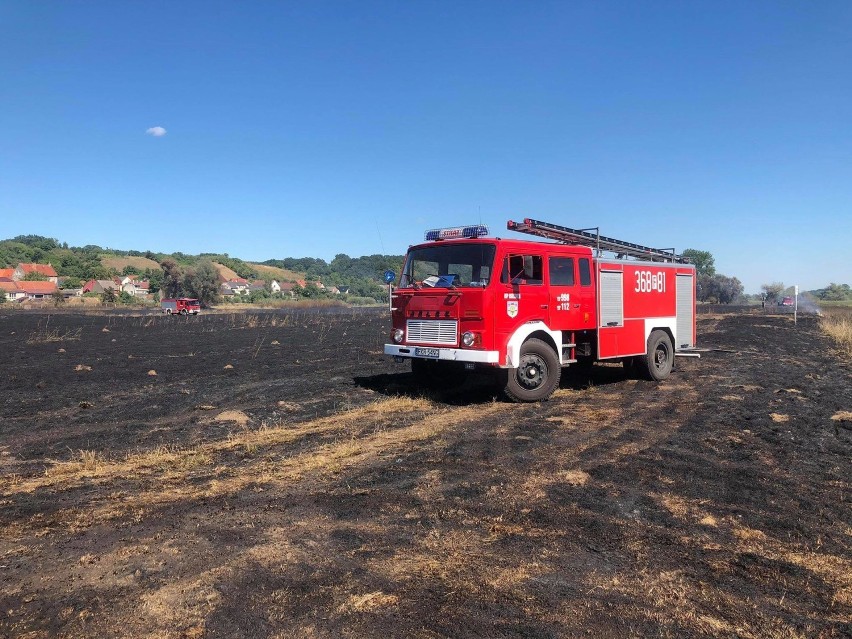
<point>275,475</point>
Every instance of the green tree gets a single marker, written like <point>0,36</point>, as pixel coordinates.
<point>72,282</point>
<point>172,278</point>
<point>108,296</point>
<point>259,295</point>
<point>309,291</point>
<point>155,279</point>
<point>125,298</point>
<point>57,297</point>
<point>37,241</point>
<point>772,291</point>
<point>834,292</point>
<point>703,260</point>
<point>130,270</point>
<point>35,276</point>
<point>202,282</point>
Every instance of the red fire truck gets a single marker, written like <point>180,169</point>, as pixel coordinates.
<point>528,308</point>
<point>180,305</point>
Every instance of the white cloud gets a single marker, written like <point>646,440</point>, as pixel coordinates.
<point>156,131</point>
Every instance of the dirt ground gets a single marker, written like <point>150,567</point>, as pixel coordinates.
<point>274,475</point>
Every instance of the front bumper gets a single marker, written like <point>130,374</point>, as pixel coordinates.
<point>446,354</point>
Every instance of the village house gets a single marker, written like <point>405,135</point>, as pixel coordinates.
<point>10,288</point>
<point>99,286</point>
<point>37,290</point>
<point>304,283</point>
<point>46,270</point>
<point>235,287</point>
<point>286,289</point>
<point>132,285</point>
<point>25,290</point>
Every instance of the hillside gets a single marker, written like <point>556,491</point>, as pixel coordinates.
<point>119,263</point>
<point>281,274</point>
<point>224,272</point>
<point>362,275</point>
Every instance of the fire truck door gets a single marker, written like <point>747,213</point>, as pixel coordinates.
<point>566,299</point>
<point>525,296</point>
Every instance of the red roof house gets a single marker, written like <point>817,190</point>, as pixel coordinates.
<point>37,290</point>
<point>44,269</point>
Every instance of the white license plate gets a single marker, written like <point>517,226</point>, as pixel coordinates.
<point>427,352</point>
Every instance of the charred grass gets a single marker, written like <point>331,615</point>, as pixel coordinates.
<point>344,501</point>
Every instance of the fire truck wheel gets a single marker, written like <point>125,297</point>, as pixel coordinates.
<point>537,376</point>
<point>657,364</point>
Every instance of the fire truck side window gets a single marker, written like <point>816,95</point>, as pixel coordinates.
<point>561,271</point>
<point>522,269</point>
<point>585,272</point>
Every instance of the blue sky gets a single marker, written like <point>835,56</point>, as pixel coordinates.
<point>316,128</point>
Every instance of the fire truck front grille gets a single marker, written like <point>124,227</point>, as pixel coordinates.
<point>432,332</point>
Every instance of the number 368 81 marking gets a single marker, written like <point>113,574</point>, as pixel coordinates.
<point>647,282</point>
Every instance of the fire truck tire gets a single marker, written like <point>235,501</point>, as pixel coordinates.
<point>537,376</point>
<point>658,362</point>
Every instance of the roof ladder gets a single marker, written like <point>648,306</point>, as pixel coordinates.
<point>583,237</point>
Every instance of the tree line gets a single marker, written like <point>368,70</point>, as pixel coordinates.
<point>713,287</point>
<point>186,275</point>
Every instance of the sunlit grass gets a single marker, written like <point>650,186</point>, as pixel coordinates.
<point>836,322</point>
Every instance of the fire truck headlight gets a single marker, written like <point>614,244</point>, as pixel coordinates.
<point>397,334</point>
<point>468,338</point>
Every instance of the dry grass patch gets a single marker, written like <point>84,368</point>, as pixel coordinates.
<point>225,272</point>
<point>837,324</point>
<point>368,603</point>
<point>576,477</point>
<point>587,415</point>
<point>85,462</point>
<point>236,416</point>
<point>47,336</point>
<point>350,423</point>
<point>138,262</point>
<point>834,571</point>
<point>278,273</point>
<point>842,416</point>
<point>686,510</point>
<point>779,418</point>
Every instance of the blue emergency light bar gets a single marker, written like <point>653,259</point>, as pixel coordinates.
<point>457,232</point>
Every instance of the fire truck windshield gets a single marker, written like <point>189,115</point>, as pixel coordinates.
<point>451,265</point>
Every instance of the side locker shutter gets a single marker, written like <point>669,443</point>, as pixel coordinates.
<point>612,298</point>
<point>684,311</point>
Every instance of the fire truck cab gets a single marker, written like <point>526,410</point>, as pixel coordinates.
<point>528,308</point>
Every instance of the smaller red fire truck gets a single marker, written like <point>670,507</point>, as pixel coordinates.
<point>525,309</point>
<point>180,306</point>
